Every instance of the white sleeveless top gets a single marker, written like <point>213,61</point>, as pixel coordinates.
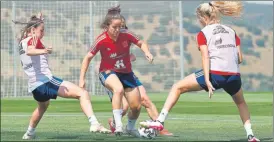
<point>36,67</point>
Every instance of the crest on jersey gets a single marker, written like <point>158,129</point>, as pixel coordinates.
<point>113,55</point>
<point>125,44</point>
<point>219,29</point>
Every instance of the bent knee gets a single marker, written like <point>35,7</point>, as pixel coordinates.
<point>135,107</point>
<point>179,89</point>
<point>118,91</point>
<point>83,93</point>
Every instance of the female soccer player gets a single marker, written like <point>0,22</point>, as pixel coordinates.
<point>43,85</point>
<point>221,56</point>
<point>115,68</point>
<point>145,101</point>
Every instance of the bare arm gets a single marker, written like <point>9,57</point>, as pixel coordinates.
<point>240,55</point>
<point>144,47</point>
<point>85,65</point>
<point>32,51</point>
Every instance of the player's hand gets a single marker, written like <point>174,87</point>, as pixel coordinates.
<point>49,49</point>
<point>210,88</point>
<point>149,57</point>
<point>82,83</point>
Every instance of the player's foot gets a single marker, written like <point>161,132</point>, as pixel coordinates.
<point>133,132</point>
<point>118,131</point>
<point>157,125</point>
<point>111,125</point>
<point>252,138</point>
<point>28,136</point>
<point>99,128</point>
<point>165,132</point>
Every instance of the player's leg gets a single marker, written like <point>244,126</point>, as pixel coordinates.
<point>125,106</point>
<point>233,87</point>
<point>35,119</point>
<point>147,103</point>
<point>188,84</point>
<point>111,81</point>
<point>134,101</point>
<point>125,109</point>
<point>70,90</point>
<point>150,107</point>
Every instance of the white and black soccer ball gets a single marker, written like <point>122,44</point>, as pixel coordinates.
<point>147,132</point>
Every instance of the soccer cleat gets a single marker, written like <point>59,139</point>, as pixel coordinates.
<point>133,132</point>
<point>252,138</point>
<point>111,125</point>
<point>99,128</point>
<point>165,132</point>
<point>118,131</point>
<point>157,125</point>
<point>28,136</point>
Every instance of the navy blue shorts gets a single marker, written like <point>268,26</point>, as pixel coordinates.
<point>230,83</point>
<point>48,90</point>
<point>128,80</point>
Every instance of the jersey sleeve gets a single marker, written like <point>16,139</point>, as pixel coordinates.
<point>238,41</point>
<point>201,39</point>
<point>132,37</point>
<point>39,44</point>
<point>96,45</point>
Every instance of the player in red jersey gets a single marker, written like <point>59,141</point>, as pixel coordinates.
<point>115,68</point>
<point>145,100</point>
<point>221,56</point>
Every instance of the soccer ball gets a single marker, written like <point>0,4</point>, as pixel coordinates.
<point>147,132</point>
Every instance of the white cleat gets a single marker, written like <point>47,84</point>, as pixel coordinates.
<point>28,136</point>
<point>118,131</point>
<point>99,128</point>
<point>152,124</point>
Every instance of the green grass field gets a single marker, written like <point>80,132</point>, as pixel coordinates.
<point>195,117</point>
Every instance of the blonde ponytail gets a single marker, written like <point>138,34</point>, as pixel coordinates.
<point>215,9</point>
<point>229,8</point>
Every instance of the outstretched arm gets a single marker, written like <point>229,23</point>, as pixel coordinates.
<point>84,68</point>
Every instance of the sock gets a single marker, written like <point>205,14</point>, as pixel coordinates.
<point>248,129</point>
<point>131,124</point>
<point>162,116</point>
<point>93,120</point>
<point>117,113</point>
<point>30,130</point>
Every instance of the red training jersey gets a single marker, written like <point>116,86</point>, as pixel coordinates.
<point>115,55</point>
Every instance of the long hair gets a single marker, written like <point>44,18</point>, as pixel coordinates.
<point>33,22</point>
<point>215,9</point>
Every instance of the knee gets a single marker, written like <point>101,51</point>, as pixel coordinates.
<point>83,94</point>
<point>178,89</point>
<point>119,90</point>
<point>136,107</point>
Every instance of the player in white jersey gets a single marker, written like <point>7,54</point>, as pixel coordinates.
<point>221,56</point>
<point>42,84</point>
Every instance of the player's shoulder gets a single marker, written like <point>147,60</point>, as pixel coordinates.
<point>101,37</point>
<point>26,40</point>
